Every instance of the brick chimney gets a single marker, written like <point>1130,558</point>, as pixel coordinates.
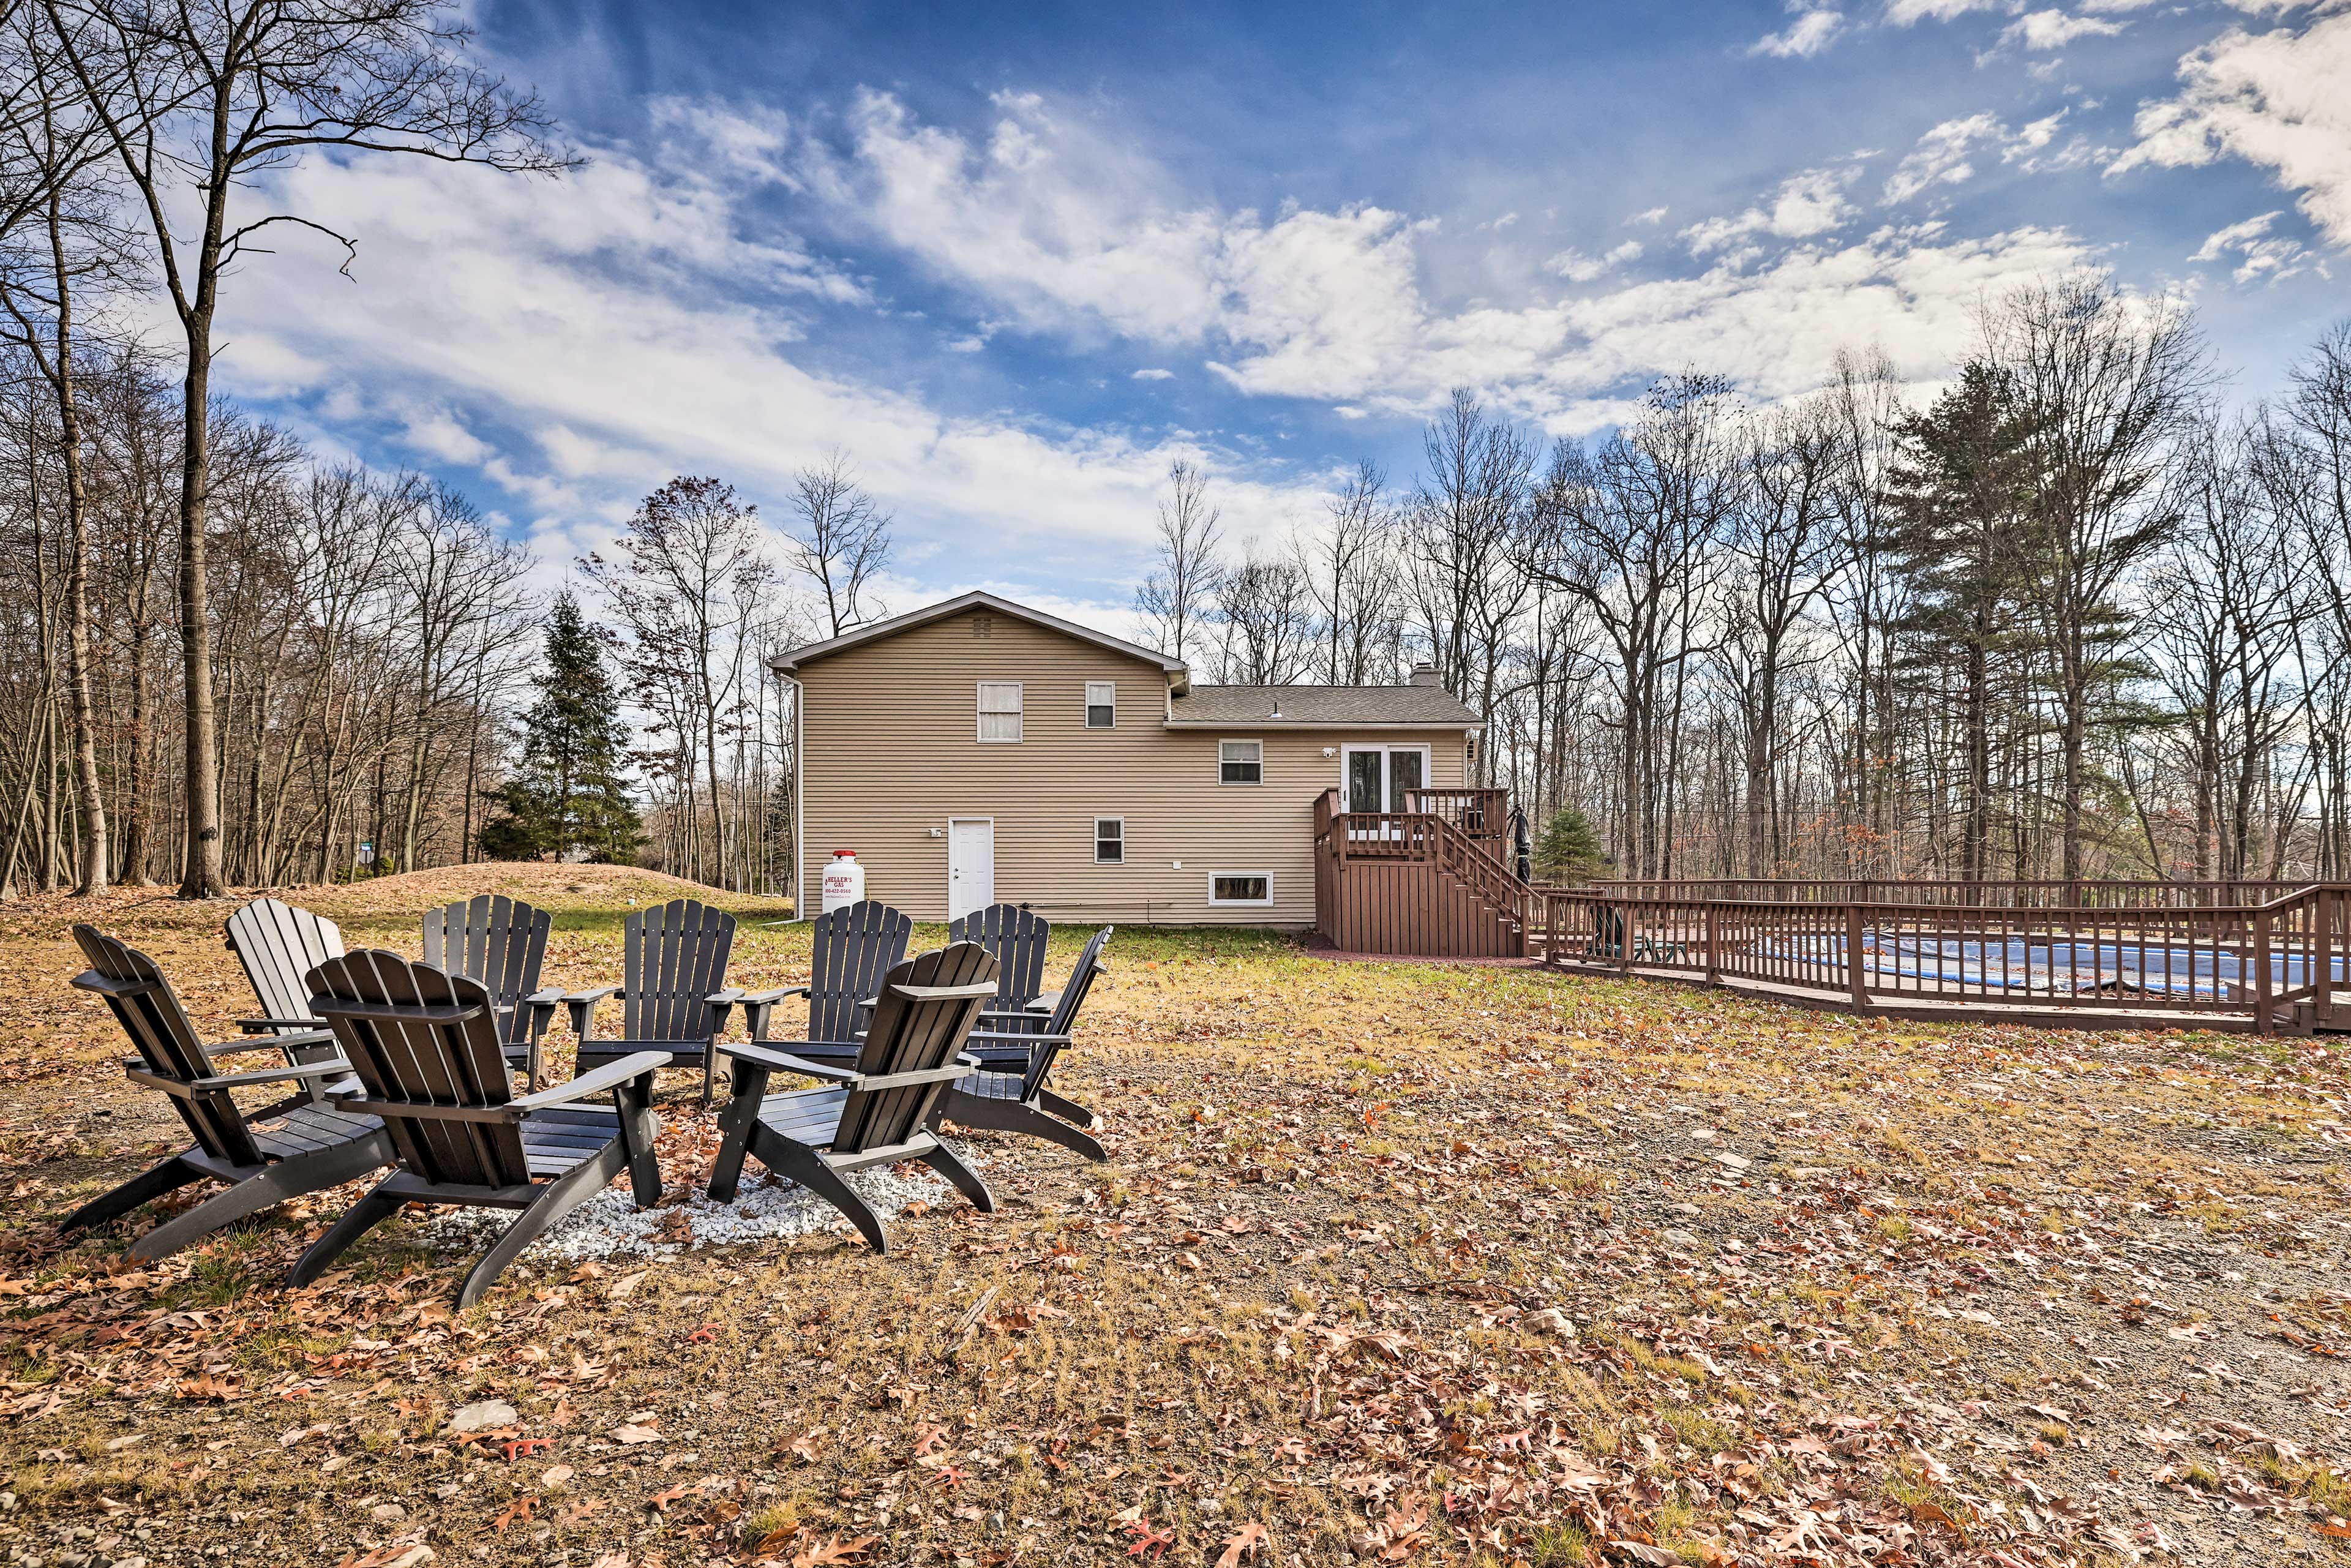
<point>1424,674</point>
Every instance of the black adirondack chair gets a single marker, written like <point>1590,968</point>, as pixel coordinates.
<point>295,1146</point>
<point>1015,1053</point>
<point>855,945</point>
<point>883,1109</point>
<point>1016,936</point>
<point>278,943</point>
<point>674,995</point>
<point>426,1047</point>
<point>501,942</point>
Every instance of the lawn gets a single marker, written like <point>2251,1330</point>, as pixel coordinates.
<point>1389,1261</point>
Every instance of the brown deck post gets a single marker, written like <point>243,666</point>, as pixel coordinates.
<point>1858,983</point>
<point>1713,937</point>
<point>2262,974</point>
<point>1624,938</point>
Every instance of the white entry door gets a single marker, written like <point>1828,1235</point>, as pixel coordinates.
<point>971,864</point>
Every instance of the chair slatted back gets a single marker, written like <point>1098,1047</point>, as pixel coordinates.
<point>912,1035</point>
<point>675,955</point>
<point>280,945</point>
<point>856,945</point>
<point>1017,936</point>
<point>150,1012</point>
<point>497,940</point>
<point>419,1035</point>
<point>1065,1011</point>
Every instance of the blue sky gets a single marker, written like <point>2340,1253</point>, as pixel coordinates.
<point>1015,259</point>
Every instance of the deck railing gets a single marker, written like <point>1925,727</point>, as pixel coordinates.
<point>2050,893</point>
<point>2275,963</point>
<point>1417,881</point>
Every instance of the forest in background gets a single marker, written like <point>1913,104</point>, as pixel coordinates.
<point>2079,611</point>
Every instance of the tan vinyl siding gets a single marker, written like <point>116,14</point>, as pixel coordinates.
<point>891,752</point>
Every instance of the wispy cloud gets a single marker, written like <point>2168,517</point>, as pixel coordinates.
<point>1812,31</point>
<point>1806,205</point>
<point>2261,253</point>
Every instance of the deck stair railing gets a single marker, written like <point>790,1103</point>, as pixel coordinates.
<point>1463,840</point>
<point>2274,962</point>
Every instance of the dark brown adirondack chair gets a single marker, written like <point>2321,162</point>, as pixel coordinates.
<point>295,1146</point>
<point>1015,1052</point>
<point>674,995</point>
<point>425,1045</point>
<point>501,942</point>
<point>1017,937</point>
<point>884,1106</point>
<point>855,945</point>
<point>278,943</point>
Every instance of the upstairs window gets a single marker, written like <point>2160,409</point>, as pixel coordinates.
<point>1000,711</point>
<point>1110,841</point>
<point>1102,705</point>
<point>1240,762</point>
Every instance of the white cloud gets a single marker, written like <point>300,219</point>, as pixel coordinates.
<point>1653,215</point>
<point>1943,154</point>
<point>1810,204</point>
<point>2276,98</point>
<point>2264,254</point>
<point>2044,30</point>
<point>1577,267</point>
<point>1812,31</point>
<point>1904,13</point>
<point>1152,373</point>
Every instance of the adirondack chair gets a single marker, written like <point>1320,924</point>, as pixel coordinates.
<point>855,945</point>
<point>884,1106</point>
<point>1008,1094</point>
<point>427,1049</point>
<point>501,942</point>
<point>277,943</point>
<point>673,993</point>
<point>1017,938</point>
<point>279,1152</point>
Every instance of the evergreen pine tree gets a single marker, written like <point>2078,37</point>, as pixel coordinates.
<point>1569,848</point>
<point>566,793</point>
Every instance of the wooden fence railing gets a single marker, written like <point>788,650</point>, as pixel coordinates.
<point>2139,894</point>
<point>2276,963</point>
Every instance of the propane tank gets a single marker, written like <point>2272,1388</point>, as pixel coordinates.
<point>844,881</point>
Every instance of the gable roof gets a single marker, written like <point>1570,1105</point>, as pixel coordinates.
<point>1321,708</point>
<point>808,654</point>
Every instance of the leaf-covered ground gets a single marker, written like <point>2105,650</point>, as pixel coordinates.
<point>1394,1262</point>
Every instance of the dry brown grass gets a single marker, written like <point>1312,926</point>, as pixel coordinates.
<point>1395,1260</point>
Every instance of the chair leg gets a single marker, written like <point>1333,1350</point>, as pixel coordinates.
<point>286,1179</point>
<point>1068,1110</point>
<point>357,1221</point>
<point>564,1194</point>
<point>949,1164</point>
<point>152,1182</point>
<point>736,1122</point>
<point>803,1164</point>
<point>632,1104</point>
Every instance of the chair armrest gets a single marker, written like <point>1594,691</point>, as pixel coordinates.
<point>272,1075</point>
<point>768,1056</point>
<point>583,1006</point>
<point>587,1085</point>
<point>1024,1041</point>
<point>757,1005</point>
<point>263,1026</point>
<point>273,1042</point>
<point>978,989</point>
<point>545,998</point>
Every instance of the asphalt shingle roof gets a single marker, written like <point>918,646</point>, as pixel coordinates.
<point>1320,706</point>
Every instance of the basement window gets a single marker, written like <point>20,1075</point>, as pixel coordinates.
<point>1241,887</point>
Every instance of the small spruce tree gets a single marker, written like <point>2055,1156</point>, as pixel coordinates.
<point>1569,850</point>
<point>566,792</point>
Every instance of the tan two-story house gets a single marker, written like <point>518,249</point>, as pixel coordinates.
<point>979,751</point>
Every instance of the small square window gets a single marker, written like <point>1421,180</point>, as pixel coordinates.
<point>1240,888</point>
<point>1240,762</point>
<point>999,710</point>
<point>1110,841</point>
<point>1102,705</point>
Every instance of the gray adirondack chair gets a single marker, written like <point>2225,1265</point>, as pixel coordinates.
<point>1017,937</point>
<point>855,945</point>
<point>880,1111</point>
<point>425,1045</point>
<point>277,943</point>
<point>295,1146</point>
<point>1015,1053</point>
<point>501,942</point>
<point>674,995</point>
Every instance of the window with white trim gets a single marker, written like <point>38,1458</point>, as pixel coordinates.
<point>1102,705</point>
<point>1110,841</point>
<point>1000,711</point>
<point>1240,888</point>
<point>1240,762</point>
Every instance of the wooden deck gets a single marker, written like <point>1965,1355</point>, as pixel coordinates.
<point>1426,883</point>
